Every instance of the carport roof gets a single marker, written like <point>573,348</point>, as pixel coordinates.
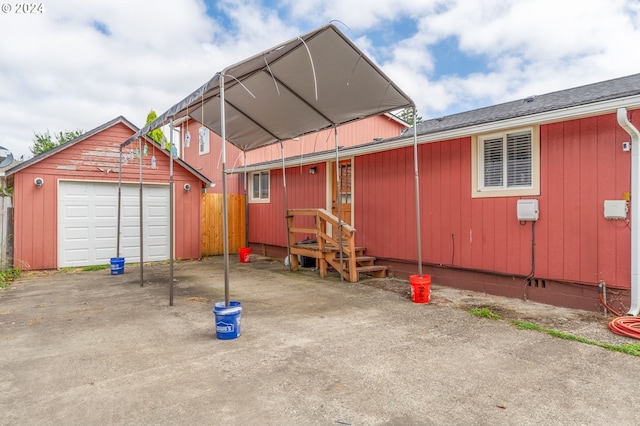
<point>312,82</point>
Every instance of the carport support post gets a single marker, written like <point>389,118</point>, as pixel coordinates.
<point>119,204</point>
<point>141,221</point>
<point>225,219</point>
<point>246,203</point>
<point>339,201</point>
<point>286,204</point>
<point>417,187</point>
<point>171,212</point>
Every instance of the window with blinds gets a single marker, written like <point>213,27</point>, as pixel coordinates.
<point>506,161</point>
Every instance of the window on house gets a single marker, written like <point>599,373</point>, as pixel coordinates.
<point>259,190</point>
<point>507,164</point>
<point>203,140</point>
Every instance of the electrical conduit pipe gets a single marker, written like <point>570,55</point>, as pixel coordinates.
<point>624,122</point>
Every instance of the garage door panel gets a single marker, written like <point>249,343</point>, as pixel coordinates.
<point>104,253</point>
<point>106,211</point>
<point>87,223</point>
<point>105,233</point>
<point>76,212</point>
<point>106,191</point>
<point>77,257</point>
<point>77,233</point>
<point>130,212</point>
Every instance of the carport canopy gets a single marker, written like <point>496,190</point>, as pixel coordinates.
<point>312,82</point>
<point>315,81</point>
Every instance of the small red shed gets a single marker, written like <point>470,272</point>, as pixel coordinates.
<point>66,202</point>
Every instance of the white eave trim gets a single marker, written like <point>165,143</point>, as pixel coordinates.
<point>570,113</point>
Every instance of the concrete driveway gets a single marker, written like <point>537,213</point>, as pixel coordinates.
<point>92,348</point>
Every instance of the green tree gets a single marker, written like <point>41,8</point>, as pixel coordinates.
<point>43,142</point>
<point>407,115</point>
<point>157,134</point>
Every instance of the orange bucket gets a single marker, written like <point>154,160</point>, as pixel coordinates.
<point>245,254</point>
<point>420,288</point>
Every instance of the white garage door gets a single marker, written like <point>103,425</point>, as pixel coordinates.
<point>87,223</point>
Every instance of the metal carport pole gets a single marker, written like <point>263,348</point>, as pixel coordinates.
<point>339,201</point>
<point>141,220</point>
<point>285,203</point>
<point>246,202</point>
<point>119,205</point>
<point>171,203</point>
<point>417,188</point>
<point>225,219</point>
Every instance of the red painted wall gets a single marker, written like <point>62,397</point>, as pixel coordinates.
<point>35,214</point>
<point>582,164</point>
<point>350,134</point>
<point>210,165</point>
<point>267,223</point>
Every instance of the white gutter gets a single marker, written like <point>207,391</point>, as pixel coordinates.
<point>624,122</point>
<point>572,113</point>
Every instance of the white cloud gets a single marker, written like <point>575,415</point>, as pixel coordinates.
<point>58,70</point>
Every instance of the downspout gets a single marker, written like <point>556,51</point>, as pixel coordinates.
<point>624,122</point>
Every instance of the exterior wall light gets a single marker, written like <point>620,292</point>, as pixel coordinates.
<point>187,187</point>
<point>38,182</point>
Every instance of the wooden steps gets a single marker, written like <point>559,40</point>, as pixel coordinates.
<point>364,264</point>
<point>339,252</point>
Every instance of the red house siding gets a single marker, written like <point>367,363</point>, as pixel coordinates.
<point>210,164</point>
<point>478,242</point>
<point>35,215</point>
<point>581,166</point>
<point>575,242</point>
<point>267,220</point>
<point>350,134</point>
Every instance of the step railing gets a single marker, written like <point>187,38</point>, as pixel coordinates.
<point>330,249</point>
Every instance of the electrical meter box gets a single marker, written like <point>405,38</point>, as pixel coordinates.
<point>615,209</point>
<point>528,210</point>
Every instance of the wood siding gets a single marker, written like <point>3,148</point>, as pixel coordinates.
<point>582,164</point>
<point>94,159</point>
<point>350,134</point>
<point>210,164</point>
<point>267,222</point>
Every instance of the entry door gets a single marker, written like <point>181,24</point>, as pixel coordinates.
<point>344,192</point>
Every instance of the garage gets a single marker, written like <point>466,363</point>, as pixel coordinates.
<point>66,202</point>
<point>87,222</point>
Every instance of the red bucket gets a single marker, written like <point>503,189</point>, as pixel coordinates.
<point>245,254</point>
<point>420,288</point>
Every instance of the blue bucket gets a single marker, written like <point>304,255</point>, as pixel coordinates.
<point>117,265</point>
<point>227,319</point>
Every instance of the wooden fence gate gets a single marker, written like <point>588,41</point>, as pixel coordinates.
<point>212,223</point>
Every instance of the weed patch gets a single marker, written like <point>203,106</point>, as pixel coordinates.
<point>7,276</point>
<point>629,349</point>
<point>484,313</point>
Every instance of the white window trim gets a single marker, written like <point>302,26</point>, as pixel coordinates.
<point>251,197</point>
<point>207,144</point>
<point>476,168</point>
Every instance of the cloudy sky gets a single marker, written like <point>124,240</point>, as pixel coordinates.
<point>76,64</point>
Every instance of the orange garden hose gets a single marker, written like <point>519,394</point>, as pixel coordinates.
<point>628,326</point>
